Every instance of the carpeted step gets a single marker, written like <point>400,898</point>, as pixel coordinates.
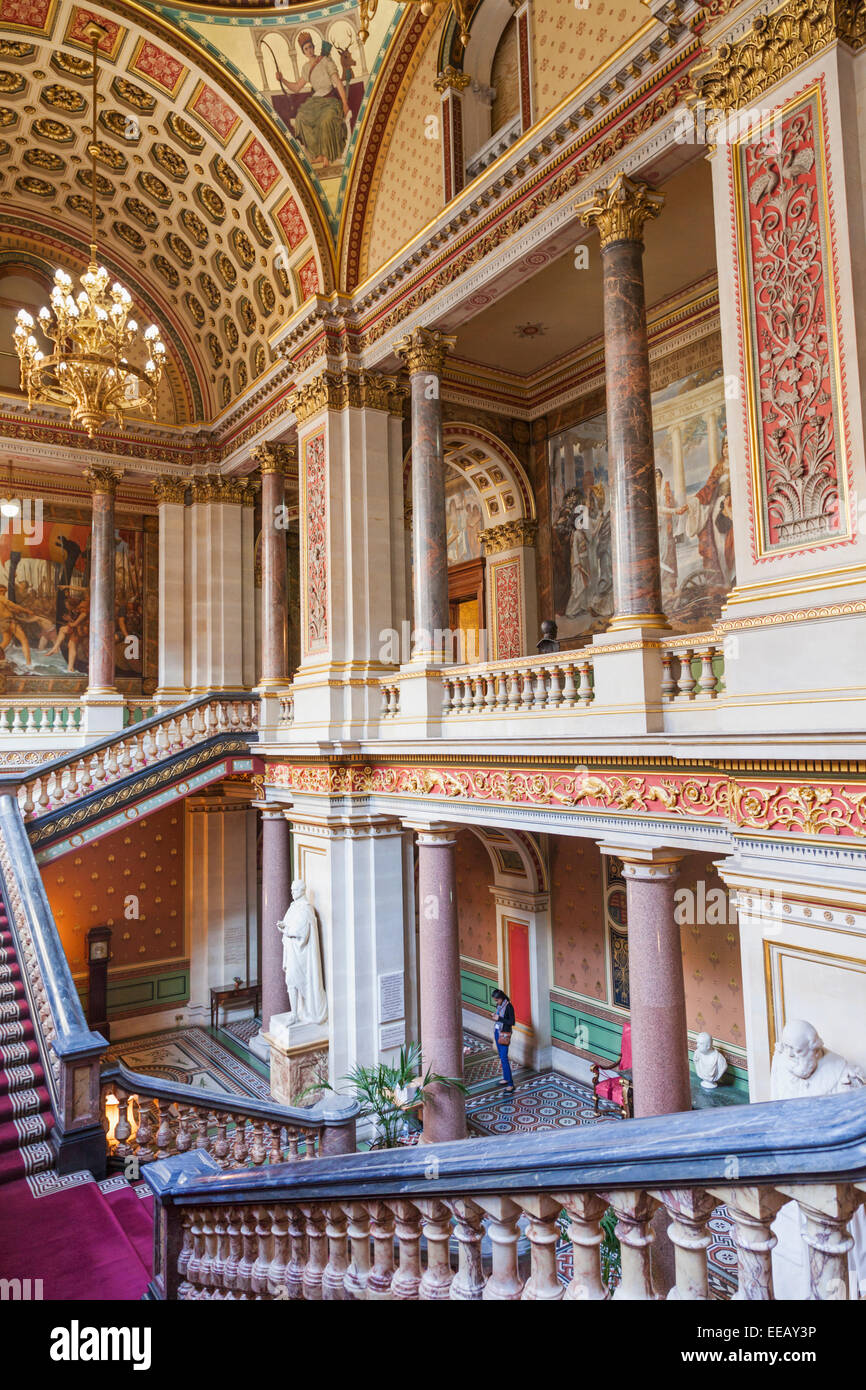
<point>20,1031</point>
<point>25,1103</point>
<point>30,1100</point>
<point>13,989</point>
<point>22,1163</point>
<point>29,1129</point>
<point>19,1054</point>
<point>9,970</point>
<point>21,1078</point>
<point>135,1215</point>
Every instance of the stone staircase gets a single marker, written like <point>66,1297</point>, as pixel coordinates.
<point>25,1103</point>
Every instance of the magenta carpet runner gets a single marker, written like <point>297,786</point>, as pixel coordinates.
<point>25,1106</point>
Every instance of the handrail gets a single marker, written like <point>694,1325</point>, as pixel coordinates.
<point>13,780</point>
<point>69,1050</point>
<point>780,1141</point>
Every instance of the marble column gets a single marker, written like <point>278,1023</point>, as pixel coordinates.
<point>439,974</point>
<point>274,460</point>
<point>619,212</point>
<point>103,483</point>
<point>171,633</point>
<point>276,896</point>
<point>659,1039</point>
<point>424,352</point>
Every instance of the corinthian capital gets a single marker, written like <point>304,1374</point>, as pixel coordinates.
<point>103,479</point>
<point>620,210</point>
<point>424,349</point>
<point>169,489</point>
<point>275,458</point>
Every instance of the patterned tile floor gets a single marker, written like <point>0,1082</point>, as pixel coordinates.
<point>196,1057</point>
<point>544,1100</point>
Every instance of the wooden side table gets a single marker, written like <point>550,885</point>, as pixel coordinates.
<point>238,994</point>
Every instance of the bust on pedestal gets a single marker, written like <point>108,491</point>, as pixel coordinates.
<point>710,1063</point>
<point>802,1066</point>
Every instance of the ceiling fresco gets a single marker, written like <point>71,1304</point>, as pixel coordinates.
<point>292,62</point>
<point>217,192</point>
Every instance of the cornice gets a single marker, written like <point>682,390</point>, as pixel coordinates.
<point>348,390</point>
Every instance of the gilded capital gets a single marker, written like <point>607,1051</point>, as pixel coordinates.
<point>424,350</point>
<point>168,489</point>
<point>103,479</point>
<point>620,210</point>
<point>211,487</point>
<point>508,536</point>
<point>276,458</point>
<point>451,80</point>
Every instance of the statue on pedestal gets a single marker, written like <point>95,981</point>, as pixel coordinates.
<point>302,960</point>
<point>710,1064</point>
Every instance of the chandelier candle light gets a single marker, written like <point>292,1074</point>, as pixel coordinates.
<point>88,371</point>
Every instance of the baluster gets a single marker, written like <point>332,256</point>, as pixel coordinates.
<point>221,1249</point>
<point>97,774</point>
<point>634,1212</point>
<point>276,1280</point>
<point>298,1262</point>
<point>382,1234</point>
<point>221,1147</point>
<point>358,1231</point>
<point>334,1273</point>
<point>311,1140</point>
<point>689,1209</point>
<point>585,1211</point>
<point>235,1246</point>
<point>240,1151</point>
<point>468,692</point>
<point>543,1233</point>
<point>258,1152</point>
<point>249,1250</point>
<point>669,685</point>
<point>406,1279</point>
<point>233,717</point>
<point>124,760</point>
<point>82,779</point>
<point>25,798</point>
<point>184,729</point>
<point>222,718</point>
<point>161,741</point>
<point>200,1118</point>
<point>199,728</point>
<point>206,1276</point>
<point>123,1129</point>
<point>185,1118</point>
<point>146,1130</point>
<point>175,742</point>
<point>41,796</point>
<point>555,694</point>
<point>18,726</point>
<point>184,1254</point>
<point>826,1210</point>
<point>502,690</point>
<point>513,689</point>
<point>504,1282</point>
<point>447,695</point>
<point>707,682</point>
<point>585,691</point>
<point>111,764</point>
<point>686,683</point>
<point>275,1152</point>
<point>317,1243</point>
<point>165,1133</point>
<point>437,1277</point>
<point>468,1282</point>
<point>539,693</point>
<point>753,1211</point>
<point>479,694</point>
<point>193,1267</point>
<point>264,1251</point>
<point>294,1153</point>
<point>526,693</point>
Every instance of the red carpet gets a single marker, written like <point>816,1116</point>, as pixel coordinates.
<point>82,1243</point>
<point>25,1106</point>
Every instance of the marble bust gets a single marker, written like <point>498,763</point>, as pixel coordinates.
<point>302,960</point>
<point>710,1064</point>
<point>802,1066</point>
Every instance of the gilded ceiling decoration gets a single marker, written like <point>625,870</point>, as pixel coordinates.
<point>200,212</point>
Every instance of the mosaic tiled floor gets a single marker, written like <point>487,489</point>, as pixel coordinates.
<point>242,1029</point>
<point>192,1056</point>
<point>472,1044</point>
<point>721,1258</point>
<point>544,1101</point>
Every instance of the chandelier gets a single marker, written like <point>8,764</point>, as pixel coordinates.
<point>88,369</point>
<point>462,13</point>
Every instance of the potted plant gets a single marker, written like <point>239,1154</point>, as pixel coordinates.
<point>390,1095</point>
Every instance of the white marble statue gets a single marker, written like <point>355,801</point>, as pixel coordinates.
<point>710,1063</point>
<point>802,1066</point>
<point>302,960</point>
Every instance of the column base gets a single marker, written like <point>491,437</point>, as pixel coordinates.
<point>103,711</point>
<point>169,696</point>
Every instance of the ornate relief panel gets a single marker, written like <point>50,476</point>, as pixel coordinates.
<point>795,388</point>
<point>314,543</point>
<point>507,610</point>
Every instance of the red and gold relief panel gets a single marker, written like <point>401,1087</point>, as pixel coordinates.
<point>132,881</point>
<point>315,544</point>
<point>793,367</point>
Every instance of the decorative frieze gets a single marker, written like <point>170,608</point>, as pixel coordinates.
<point>777,45</point>
<point>620,211</point>
<point>508,536</point>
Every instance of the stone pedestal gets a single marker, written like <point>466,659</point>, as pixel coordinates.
<point>299,1058</point>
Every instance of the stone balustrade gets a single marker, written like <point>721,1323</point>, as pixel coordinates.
<point>520,1218</point>
<point>67,778</point>
<point>693,668</point>
<point>149,1120</point>
<point>287,710</point>
<point>563,682</point>
<point>38,718</point>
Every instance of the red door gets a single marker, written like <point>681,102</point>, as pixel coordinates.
<point>518,971</point>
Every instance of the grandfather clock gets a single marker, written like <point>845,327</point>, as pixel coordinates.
<point>98,956</point>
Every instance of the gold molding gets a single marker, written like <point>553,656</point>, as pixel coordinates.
<point>450,80</point>
<point>620,211</point>
<point>170,490</point>
<point>276,458</point>
<point>508,536</point>
<point>348,390</point>
<point>103,479</point>
<point>424,350</point>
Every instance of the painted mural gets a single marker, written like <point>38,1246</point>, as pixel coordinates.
<point>463,519</point>
<point>45,603</point>
<point>311,70</point>
<point>693,492</point>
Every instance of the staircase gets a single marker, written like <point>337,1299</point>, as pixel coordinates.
<point>25,1103</point>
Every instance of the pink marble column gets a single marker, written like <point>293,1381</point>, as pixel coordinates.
<point>439,972</point>
<point>659,1038</point>
<point>276,897</point>
<point>274,460</point>
<point>619,212</point>
<point>103,482</point>
<point>424,352</point>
